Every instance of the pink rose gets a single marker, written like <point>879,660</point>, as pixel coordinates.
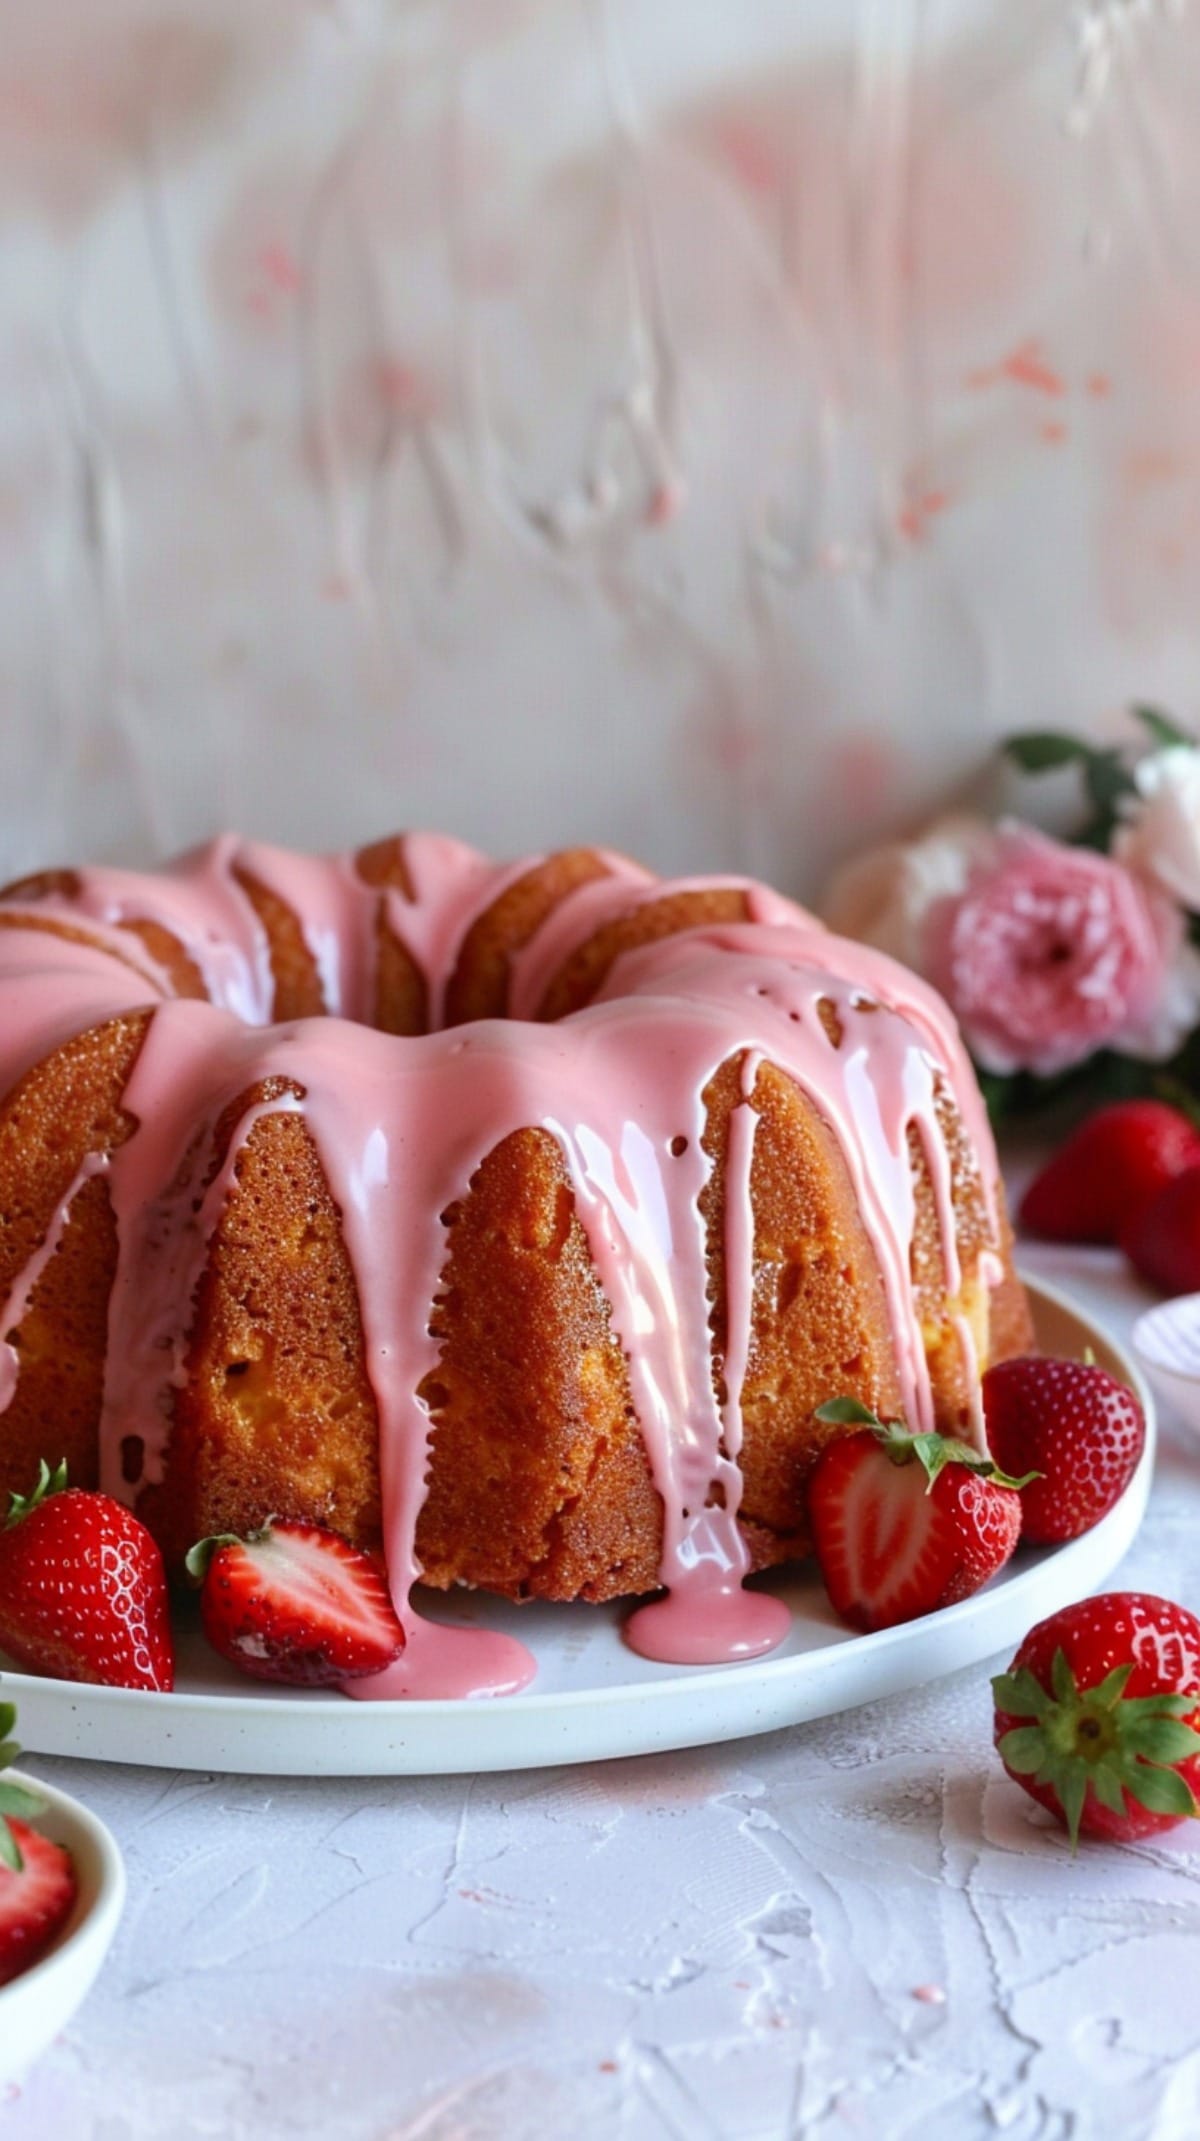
<point>1052,952</point>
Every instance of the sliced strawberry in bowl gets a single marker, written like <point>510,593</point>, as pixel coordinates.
<point>38,1885</point>
<point>83,1593</point>
<point>37,1895</point>
<point>62,1890</point>
<point>293,1603</point>
<point>905,1524</point>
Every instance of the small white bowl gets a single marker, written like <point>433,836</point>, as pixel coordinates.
<point>39,2003</point>
<point>1167,1342</point>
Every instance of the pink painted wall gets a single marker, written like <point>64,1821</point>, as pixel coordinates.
<point>699,428</point>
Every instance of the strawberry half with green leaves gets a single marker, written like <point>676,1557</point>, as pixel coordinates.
<point>1098,1716</point>
<point>903,1524</point>
<point>37,1879</point>
<point>294,1603</point>
<point>83,1595</point>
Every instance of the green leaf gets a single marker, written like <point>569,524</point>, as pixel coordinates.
<point>1138,1706</point>
<point>836,1412</point>
<point>1107,778</point>
<point>1040,750</point>
<point>931,1451</point>
<point>1160,1739</point>
<point>999,1094</point>
<point>1161,1791</point>
<point>1020,1694</point>
<point>1023,1749</point>
<point>1062,1678</point>
<point>1108,1787</point>
<point>47,1483</point>
<point>9,1749</point>
<point>1108,1692</point>
<point>1160,729</point>
<point>14,1799</point>
<point>935,1452</point>
<point>199,1556</point>
<point>1072,1791</point>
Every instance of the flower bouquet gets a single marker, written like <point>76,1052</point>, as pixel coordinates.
<point>1072,965</point>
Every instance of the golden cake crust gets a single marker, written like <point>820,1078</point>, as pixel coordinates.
<point>538,1479</point>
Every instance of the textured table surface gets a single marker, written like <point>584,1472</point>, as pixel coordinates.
<point>854,1928</point>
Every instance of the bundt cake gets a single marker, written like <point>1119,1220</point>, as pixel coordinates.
<point>515,1220</point>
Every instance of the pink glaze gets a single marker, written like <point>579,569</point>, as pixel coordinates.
<point>22,1293</point>
<point>402,1125</point>
<point>199,901</point>
<point>627,888</point>
<point>337,915</point>
<point>451,885</point>
<point>735,1623</point>
<point>440,1663</point>
<point>54,989</point>
<point>869,1090</point>
<point>976,1425</point>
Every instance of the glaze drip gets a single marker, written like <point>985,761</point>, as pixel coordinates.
<point>401,1127</point>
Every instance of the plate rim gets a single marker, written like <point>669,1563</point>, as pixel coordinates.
<point>369,1721</point>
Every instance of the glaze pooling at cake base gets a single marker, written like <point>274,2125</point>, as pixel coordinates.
<point>403,1128</point>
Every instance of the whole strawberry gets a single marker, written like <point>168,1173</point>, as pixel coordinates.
<point>1163,1241</point>
<point>1108,1172</point>
<point>1098,1716</point>
<point>294,1603</point>
<point>903,1524</point>
<point>37,1879</point>
<point>83,1595</point>
<point>1074,1425</point>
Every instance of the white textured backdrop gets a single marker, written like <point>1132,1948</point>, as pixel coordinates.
<point>696,426</point>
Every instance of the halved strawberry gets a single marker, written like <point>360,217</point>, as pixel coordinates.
<point>903,1524</point>
<point>294,1603</point>
<point>36,1900</point>
<point>37,1880</point>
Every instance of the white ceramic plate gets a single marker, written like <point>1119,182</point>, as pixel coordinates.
<point>39,2003</point>
<point>592,1699</point>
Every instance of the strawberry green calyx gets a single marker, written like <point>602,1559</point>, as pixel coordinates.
<point>47,1483</point>
<point>15,1801</point>
<point>934,1452</point>
<point>1098,1739</point>
<point>199,1556</point>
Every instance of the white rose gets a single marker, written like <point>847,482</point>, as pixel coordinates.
<point>1175,1015</point>
<point>883,897</point>
<point>1160,837</point>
